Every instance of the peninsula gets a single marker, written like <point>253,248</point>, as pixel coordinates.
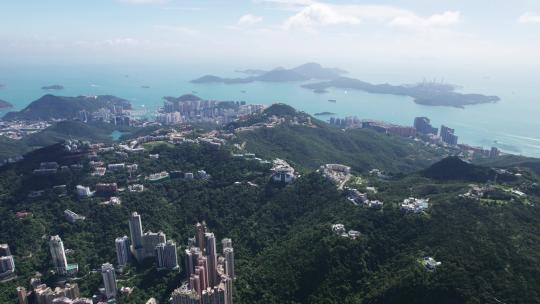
<point>54,87</point>
<point>426,93</point>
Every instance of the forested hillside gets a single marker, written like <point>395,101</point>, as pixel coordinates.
<point>285,249</point>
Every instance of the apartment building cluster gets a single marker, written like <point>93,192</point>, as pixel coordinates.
<point>414,205</point>
<point>40,293</point>
<point>356,197</point>
<point>209,277</point>
<point>190,108</point>
<point>145,246</point>
<point>339,229</point>
<point>338,174</point>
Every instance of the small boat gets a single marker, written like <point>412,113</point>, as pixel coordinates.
<point>243,91</point>
<point>332,100</point>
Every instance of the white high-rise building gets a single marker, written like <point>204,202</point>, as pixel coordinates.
<point>122,250</point>
<point>58,254</point>
<point>109,280</point>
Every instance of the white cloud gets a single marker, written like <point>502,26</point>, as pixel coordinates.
<point>249,20</point>
<point>178,29</point>
<point>529,17</point>
<point>413,21</point>
<point>321,14</point>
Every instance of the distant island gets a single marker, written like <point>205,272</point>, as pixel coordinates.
<point>324,113</point>
<point>50,107</point>
<point>145,87</point>
<point>54,87</point>
<point>4,104</point>
<point>308,71</point>
<point>251,71</point>
<point>320,91</point>
<point>427,93</point>
<point>1,86</point>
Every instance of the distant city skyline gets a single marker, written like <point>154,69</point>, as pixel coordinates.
<point>275,31</point>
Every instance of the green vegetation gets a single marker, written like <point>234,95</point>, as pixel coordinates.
<point>58,132</point>
<point>286,252</point>
<point>361,149</point>
<point>50,107</point>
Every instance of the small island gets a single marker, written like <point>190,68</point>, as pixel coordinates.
<point>54,87</point>
<point>145,87</point>
<point>324,114</point>
<point>5,105</point>
<point>1,86</point>
<point>320,91</point>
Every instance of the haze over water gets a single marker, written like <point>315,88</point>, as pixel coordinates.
<point>511,124</point>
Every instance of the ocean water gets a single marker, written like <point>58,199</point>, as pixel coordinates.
<point>512,124</point>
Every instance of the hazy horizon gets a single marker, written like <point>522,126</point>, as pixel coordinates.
<point>265,33</point>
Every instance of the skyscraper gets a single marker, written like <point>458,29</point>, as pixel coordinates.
<point>200,231</point>
<point>448,136</point>
<point>191,260</point>
<point>227,286</point>
<point>228,253</point>
<point>166,255</point>
<point>109,280</point>
<point>423,126</point>
<point>150,240</point>
<point>212,259</point>
<point>226,243</point>
<point>122,250</point>
<point>135,229</point>
<point>58,254</point>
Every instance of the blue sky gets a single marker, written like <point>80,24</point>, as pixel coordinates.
<point>271,31</point>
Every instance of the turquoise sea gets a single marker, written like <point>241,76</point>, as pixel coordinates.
<point>513,124</point>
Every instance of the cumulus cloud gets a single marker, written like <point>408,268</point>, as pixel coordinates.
<point>249,20</point>
<point>321,14</point>
<point>529,17</point>
<point>445,19</point>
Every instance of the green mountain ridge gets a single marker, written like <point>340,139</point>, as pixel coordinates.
<point>50,107</point>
